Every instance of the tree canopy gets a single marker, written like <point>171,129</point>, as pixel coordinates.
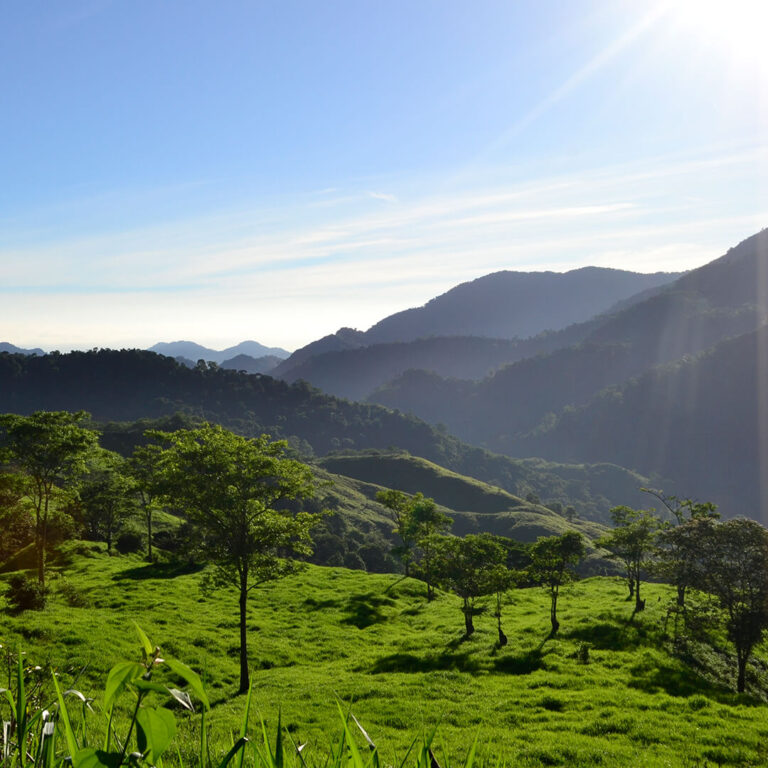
<point>231,488</point>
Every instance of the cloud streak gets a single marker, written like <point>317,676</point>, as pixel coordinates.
<point>223,277</point>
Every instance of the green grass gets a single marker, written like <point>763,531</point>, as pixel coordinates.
<point>474,505</point>
<point>401,666</point>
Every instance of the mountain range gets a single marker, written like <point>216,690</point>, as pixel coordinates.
<point>194,352</point>
<point>665,386</point>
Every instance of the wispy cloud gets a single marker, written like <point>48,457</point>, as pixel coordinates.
<point>291,272</point>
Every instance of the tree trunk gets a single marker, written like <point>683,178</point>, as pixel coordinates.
<point>469,626</point>
<point>42,542</point>
<point>502,636</point>
<point>631,585</point>
<point>553,615</point>
<point>681,595</point>
<point>149,535</point>
<point>741,681</point>
<point>244,681</point>
<point>639,604</point>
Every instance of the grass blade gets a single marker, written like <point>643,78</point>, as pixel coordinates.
<point>68,732</point>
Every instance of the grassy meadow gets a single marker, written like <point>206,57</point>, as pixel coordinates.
<point>400,665</point>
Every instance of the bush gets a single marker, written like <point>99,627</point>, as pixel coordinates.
<point>25,594</point>
<point>129,542</point>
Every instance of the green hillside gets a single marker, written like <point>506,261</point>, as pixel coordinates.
<point>609,691</point>
<point>475,506</point>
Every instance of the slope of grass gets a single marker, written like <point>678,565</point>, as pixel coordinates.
<point>474,505</point>
<point>401,664</point>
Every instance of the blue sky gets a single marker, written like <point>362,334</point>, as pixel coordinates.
<point>275,170</point>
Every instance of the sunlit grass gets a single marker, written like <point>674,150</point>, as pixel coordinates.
<point>399,664</point>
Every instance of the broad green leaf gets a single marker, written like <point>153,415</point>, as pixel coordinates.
<point>148,650</point>
<point>156,729</point>
<point>96,758</point>
<point>148,685</point>
<point>192,679</point>
<point>119,676</point>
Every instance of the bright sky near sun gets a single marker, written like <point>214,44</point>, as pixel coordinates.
<point>274,169</point>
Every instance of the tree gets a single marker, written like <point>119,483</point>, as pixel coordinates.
<point>399,505</point>
<point>16,521</point>
<point>143,467</point>
<point>552,559</point>
<point>469,567</point>
<point>678,557</point>
<point>106,496</point>
<point>632,541</point>
<point>735,571</point>
<point>501,579</point>
<point>50,447</point>
<point>428,522</point>
<point>231,488</point>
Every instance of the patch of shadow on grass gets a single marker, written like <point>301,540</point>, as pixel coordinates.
<point>158,571</point>
<point>310,602</point>
<point>365,610</point>
<point>520,664</point>
<point>408,663</point>
<point>652,677</point>
<point>607,637</point>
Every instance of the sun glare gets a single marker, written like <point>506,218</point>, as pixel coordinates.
<point>734,27</point>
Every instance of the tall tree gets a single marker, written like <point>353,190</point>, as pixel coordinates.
<point>231,488</point>
<point>417,522</point>
<point>633,542</point>
<point>469,566</point>
<point>399,505</point>
<point>50,447</point>
<point>736,572</point>
<point>143,466</point>
<point>679,554</point>
<point>107,495</point>
<point>552,561</point>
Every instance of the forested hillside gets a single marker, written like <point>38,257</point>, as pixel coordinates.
<point>131,385</point>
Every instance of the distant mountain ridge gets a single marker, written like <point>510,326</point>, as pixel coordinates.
<point>722,299</point>
<point>6,346</point>
<point>507,307</point>
<point>511,304</point>
<point>194,351</point>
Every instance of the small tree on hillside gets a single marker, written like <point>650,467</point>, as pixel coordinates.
<point>679,554</point>
<point>735,571</point>
<point>552,560</point>
<point>107,496</point>
<point>50,447</point>
<point>399,505</point>
<point>417,521</point>
<point>231,488</point>
<point>429,523</point>
<point>143,467</point>
<point>633,542</point>
<point>469,567</point>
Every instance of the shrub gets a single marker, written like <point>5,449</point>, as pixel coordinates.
<point>25,594</point>
<point>129,542</point>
